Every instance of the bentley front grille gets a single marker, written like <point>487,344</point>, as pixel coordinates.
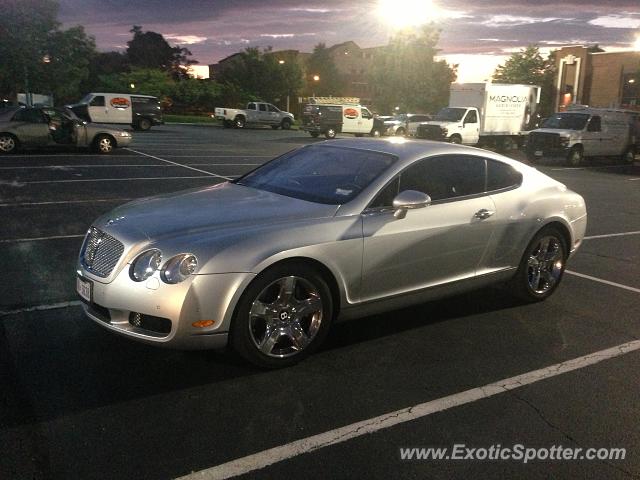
<point>101,252</point>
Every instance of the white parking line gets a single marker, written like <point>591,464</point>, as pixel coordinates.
<point>610,235</point>
<point>266,458</point>
<point>600,280</point>
<point>38,308</point>
<point>37,239</point>
<point>63,202</point>
<point>176,163</point>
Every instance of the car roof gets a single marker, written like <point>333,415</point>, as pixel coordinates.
<point>408,150</point>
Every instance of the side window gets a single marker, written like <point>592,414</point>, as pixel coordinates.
<point>251,106</point>
<point>445,177</point>
<point>272,108</point>
<point>97,101</point>
<point>263,107</point>
<point>595,124</point>
<point>501,175</point>
<point>386,195</point>
<point>472,117</point>
<point>140,100</point>
<point>366,113</point>
<point>30,115</point>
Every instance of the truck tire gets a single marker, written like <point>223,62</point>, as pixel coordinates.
<point>144,124</point>
<point>330,133</point>
<point>400,132</point>
<point>457,139</point>
<point>286,124</point>
<point>575,156</point>
<point>629,156</point>
<point>239,122</point>
<point>376,132</point>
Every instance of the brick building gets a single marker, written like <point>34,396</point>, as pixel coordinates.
<point>591,76</point>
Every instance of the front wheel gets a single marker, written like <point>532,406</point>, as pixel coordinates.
<point>282,317</point>
<point>104,144</point>
<point>144,124</point>
<point>575,157</point>
<point>400,132</point>
<point>629,156</point>
<point>456,139</point>
<point>376,133</point>
<point>286,124</point>
<point>542,266</point>
<point>8,143</point>
<point>330,133</point>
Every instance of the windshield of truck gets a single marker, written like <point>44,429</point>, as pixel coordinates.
<point>450,114</point>
<point>567,121</point>
<point>86,99</point>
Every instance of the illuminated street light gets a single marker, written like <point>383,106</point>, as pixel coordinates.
<point>281,62</point>
<point>132,85</point>
<point>316,78</point>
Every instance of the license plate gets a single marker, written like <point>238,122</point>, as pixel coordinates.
<point>83,287</point>
<point>538,153</point>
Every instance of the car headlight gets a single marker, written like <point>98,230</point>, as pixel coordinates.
<point>178,268</point>
<point>145,264</point>
<point>564,141</point>
<point>445,131</point>
<point>125,134</point>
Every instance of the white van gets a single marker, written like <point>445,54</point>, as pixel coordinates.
<point>139,111</point>
<point>330,120</point>
<point>584,132</point>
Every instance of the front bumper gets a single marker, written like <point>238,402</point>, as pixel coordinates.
<point>114,306</point>
<point>547,152</point>
<point>124,141</point>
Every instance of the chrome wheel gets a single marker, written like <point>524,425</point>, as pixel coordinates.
<point>105,145</point>
<point>330,133</point>
<point>7,144</point>
<point>575,157</point>
<point>285,317</point>
<point>545,264</point>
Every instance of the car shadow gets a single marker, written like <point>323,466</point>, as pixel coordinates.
<point>52,375</point>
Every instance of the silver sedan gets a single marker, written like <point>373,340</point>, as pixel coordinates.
<point>22,127</point>
<point>330,231</point>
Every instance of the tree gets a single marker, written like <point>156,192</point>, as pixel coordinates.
<point>406,74</point>
<point>151,50</point>
<point>321,65</point>
<point>529,67</point>
<point>36,55</point>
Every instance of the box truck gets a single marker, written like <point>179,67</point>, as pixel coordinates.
<point>485,114</point>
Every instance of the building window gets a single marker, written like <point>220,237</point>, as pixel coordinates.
<point>631,90</point>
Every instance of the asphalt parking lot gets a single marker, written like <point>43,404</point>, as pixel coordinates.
<point>79,402</point>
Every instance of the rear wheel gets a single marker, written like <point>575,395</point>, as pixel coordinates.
<point>144,124</point>
<point>542,266</point>
<point>239,122</point>
<point>8,143</point>
<point>104,144</point>
<point>330,133</point>
<point>283,316</point>
<point>376,132</point>
<point>629,156</point>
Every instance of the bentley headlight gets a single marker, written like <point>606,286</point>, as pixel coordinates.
<point>179,268</point>
<point>145,264</point>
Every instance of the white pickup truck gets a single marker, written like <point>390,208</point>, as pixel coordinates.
<point>256,113</point>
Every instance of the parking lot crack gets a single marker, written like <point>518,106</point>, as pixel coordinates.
<point>567,435</point>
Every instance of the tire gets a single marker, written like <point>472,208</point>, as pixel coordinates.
<point>314,134</point>
<point>144,124</point>
<point>330,133</point>
<point>575,157</point>
<point>629,156</point>
<point>400,132</point>
<point>267,331</point>
<point>104,144</point>
<point>8,143</point>
<point>286,124</point>
<point>456,139</point>
<point>376,133</point>
<point>275,127</point>
<point>542,266</point>
<point>239,122</point>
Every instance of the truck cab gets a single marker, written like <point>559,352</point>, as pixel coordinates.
<point>453,124</point>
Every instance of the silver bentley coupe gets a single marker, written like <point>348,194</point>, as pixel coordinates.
<point>330,231</point>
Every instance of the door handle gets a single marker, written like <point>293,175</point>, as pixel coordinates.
<point>483,214</point>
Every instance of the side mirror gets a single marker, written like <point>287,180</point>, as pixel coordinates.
<point>409,200</point>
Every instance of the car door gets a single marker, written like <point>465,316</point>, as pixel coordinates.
<point>366,121</point>
<point>274,114</point>
<point>440,243</point>
<point>119,108</point>
<point>592,137</point>
<point>263,113</point>
<point>31,127</point>
<point>252,113</point>
<point>471,128</point>
<point>98,111</point>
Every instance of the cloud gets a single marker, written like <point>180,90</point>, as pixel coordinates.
<point>286,35</point>
<point>185,39</point>
<point>514,21</point>
<point>616,21</point>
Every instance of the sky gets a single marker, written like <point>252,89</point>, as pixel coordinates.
<point>477,35</point>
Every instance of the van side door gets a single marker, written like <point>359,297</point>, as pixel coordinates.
<point>119,108</point>
<point>471,127</point>
<point>592,137</point>
<point>97,108</point>
<point>366,121</point>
